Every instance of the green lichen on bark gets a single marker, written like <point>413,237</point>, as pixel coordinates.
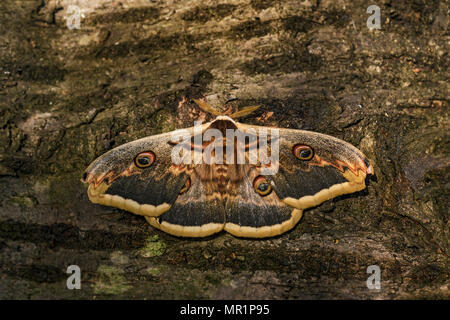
<point>153,247</point>
<point>110,282</point>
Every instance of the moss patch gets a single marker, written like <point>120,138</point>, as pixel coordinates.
<point>153,247</point>
<point>111,281</point>
<point>154,271</point>
<point>23,201</point>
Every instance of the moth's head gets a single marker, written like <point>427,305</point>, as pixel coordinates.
<point>224,118</point>
<point>245,111</point>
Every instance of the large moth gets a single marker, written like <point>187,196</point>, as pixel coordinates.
<point>214,177</point>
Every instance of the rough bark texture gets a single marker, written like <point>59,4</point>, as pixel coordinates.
<point>68,96</point>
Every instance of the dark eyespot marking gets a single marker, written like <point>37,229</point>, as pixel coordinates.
<point>84,177</point>
<point>262,186</point>
<point>144,159</point>
<point>303,152</point>
<point>186,186</point>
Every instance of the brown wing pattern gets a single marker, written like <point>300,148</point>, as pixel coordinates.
<point>115,180</point>
<point>197,200</point>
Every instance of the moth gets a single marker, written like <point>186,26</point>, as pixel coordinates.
<point>205,179</point>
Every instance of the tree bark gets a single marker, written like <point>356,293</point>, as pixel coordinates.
<point>68,95</point>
